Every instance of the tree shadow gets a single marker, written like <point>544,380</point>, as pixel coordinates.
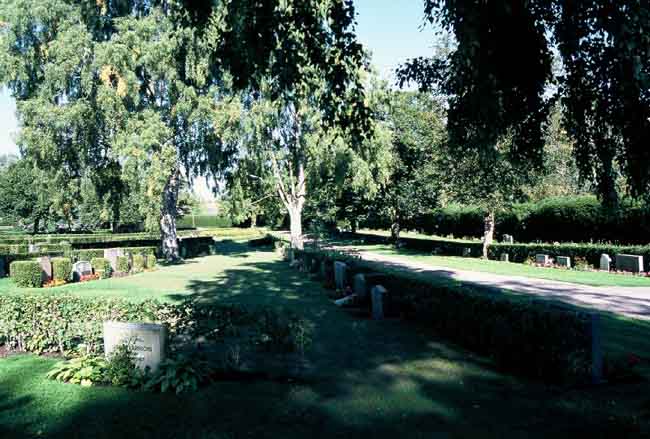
<point>367,378</point>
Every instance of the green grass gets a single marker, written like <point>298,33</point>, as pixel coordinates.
<point>593,278</point>
<point>367,379</point>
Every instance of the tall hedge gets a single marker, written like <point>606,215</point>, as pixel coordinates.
<point>61,269</point>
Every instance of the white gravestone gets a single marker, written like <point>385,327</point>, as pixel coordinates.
<point>377,295</point>
<point>505,257</point>
<point>564,261</point>
<point>81,268</point>
<point>467,252</point>
<point>605,262</point>
<point>631,263</point>
<point>33,248</point>
<point>147,340</point>
<point>46,268</point>
<point>542,259</point>
<point>340,275</point>
<point>359,283</point>
<point>508,239</point>
<point>112,254</point>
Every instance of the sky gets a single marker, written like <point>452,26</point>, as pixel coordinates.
<point>389,28</point>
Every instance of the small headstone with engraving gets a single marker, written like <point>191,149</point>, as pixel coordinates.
<point>631,263</point>
<point>505,257</point>
<point>46,268</point>
<point>508,239</point>
<point>340,275</point>
<point>605,262</point>
<point>33,248</point>
<point>564,261</point>
<point>81,268</point>
<point>377,295</point>
<point>542,259</point>
<point>147,340</point>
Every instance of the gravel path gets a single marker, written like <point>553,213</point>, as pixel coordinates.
<point>629,301</point>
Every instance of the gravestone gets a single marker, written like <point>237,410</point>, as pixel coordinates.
<point>146,339</point>
<point>359,285</point>
<point>81,268</point>
<point>542,259</point>
<point>564,261</point>
<point>508,239</point>
<point>631,263</point>
<point>377,296</point>
<point>340,275</point>
<point>46,268</point>
<point>605,262</point>
<point>467,252</point>
<point>33,248</point>
<point>505,257</point>
<point>112,254</point>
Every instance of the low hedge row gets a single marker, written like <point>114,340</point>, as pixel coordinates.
<point>203,221</point>
<point>26,274</point>
<point>437,246</point>
<point>54,323</point>
<point>525,337</point>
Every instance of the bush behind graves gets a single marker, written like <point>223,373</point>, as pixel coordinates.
<point>123,264</point>
<point>102,266</point>
<point>526,337</point>
<point>151,261</point>
<point>61,269</point>
<point>26,274</point>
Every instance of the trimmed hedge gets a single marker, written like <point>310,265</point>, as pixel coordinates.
<point>439,246</point>
<point>151,261</point>
<point>526,337</point>
<point>138,264</point>
<point>102,266</point>
<point>26,274</point>
<point>62,269</point>
<point>204,221</point>
<point>122,264</point>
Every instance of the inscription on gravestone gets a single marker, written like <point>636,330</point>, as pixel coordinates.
<point>631,263</point>
<point>605,262</point>
<point>81,268</point>
<point>146,339</point>
<point>340,275</point>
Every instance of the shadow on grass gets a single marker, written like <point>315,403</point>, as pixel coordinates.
<point>370,379</point>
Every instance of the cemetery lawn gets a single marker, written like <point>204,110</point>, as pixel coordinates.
<point>593,278</point>
<point>366,379</point>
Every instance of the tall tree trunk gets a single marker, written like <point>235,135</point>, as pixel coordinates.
<point>488,231</point>
<point>168,219</point>
<point>253,220</point>
<point>295,220</point>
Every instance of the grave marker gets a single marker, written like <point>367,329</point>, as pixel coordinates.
<point>605,262</point>
<point>542,259</point>
<point>377,296</point>
<point>631,263</point>
<point>340,275</point>
<point>564,261</point>
<point>360,286</point>
<point>46,268</point>
<point>147,340</point>
<point>81,268</point>
<point>505,257</point>
<point>508,239</point>
<point>112,254</point>
<point>467,252</point>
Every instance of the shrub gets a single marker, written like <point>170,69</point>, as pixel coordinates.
<point>102,266</point>
<point>526,337</point>
<point>138,263</point>
<point>123,264</point>
<point>151,261</point>
<point>121,368</point>
<point>26,274</point>
<point>87,370</point>
<point>180,374</point>
<point>61,269</point>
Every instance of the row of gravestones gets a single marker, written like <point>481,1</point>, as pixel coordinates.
<point>360,283</point>
<point>80,268</point>
<point>631,263</point>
